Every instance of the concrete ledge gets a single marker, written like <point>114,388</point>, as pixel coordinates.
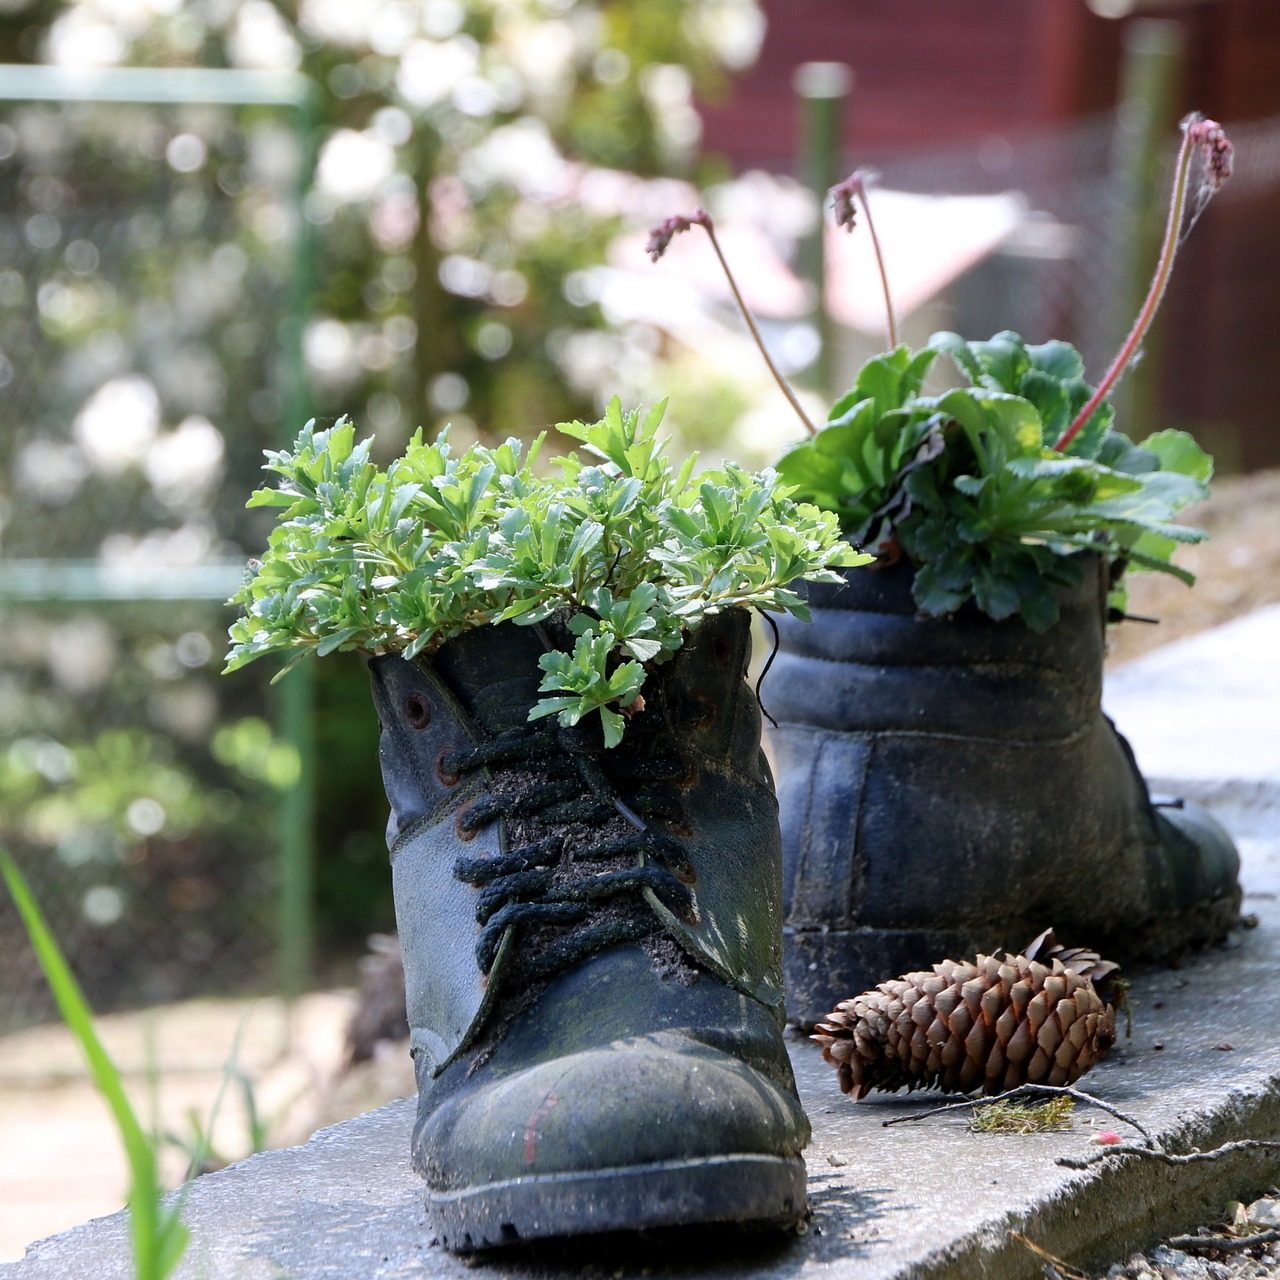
<point>927,1201</point>
<point>1203,716</point>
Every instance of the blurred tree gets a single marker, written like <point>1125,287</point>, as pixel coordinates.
<point>468,176</point>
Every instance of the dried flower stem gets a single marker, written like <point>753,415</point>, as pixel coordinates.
<point>662,236</point>
<point>709,227</point>
<point>1212,141</point>
<point>844,194</point>
<point>891,325</point>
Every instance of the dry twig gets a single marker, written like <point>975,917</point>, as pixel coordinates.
<point>1054,1268</point>
<point>1168,1157</point>
<point>1222,1244</point>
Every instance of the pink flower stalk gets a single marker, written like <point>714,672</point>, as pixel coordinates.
<point>660,239</point>
<point>664,233</point>
<point>1216,155</point>
<point>843,195</point>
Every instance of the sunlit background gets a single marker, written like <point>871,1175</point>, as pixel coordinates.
<point>220,218</point>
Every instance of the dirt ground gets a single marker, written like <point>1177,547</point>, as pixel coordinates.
<point>60,1159</point>
<point>1237,570</point>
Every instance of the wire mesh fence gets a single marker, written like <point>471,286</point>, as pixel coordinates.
<point>147,288</point>
<point>138,795</point>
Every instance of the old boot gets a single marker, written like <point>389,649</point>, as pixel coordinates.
<point>592,946</point>
<point>950,786</point>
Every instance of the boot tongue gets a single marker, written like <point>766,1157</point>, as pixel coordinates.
<point>494,673</point>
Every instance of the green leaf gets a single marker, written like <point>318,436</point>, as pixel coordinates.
<point>1178,452</point>
<point>644,650</point>
<point>159,1237</point>
<point>1050,399</point>
<point>995,595</point>
<point>932,596</point>
<point>614,727</point>
<point>337,640</point>
<point>1004,361</point>
<point>1059,360</point>
<point>1040,609</point>
<point>271,498</point>
<point>953,345</point>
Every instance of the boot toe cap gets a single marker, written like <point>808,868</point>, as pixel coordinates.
<point>1203,856</point>
<point>633,1103</point>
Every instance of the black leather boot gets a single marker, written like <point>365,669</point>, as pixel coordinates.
<point>951,786</point>
<point>592,944</point>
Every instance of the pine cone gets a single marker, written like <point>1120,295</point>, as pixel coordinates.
<point>1034,1018</point>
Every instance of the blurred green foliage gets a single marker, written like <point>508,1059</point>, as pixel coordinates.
<point>469,157</point>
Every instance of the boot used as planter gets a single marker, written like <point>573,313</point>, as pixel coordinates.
<point>592,946</point>
<point>584,836</point>
<point>947,780</point>
<point>950,786</point>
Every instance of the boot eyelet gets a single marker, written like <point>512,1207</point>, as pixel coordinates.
<point>417,711</point>
<point>708,712</point>
<point>464,832</point>
<point>446,778</point>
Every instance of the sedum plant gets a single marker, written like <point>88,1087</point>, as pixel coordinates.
<point>993,488</point>
<point>630,552</point>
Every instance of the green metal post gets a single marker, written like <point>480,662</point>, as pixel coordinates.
<point>1151,82</point>
<point>822,88</point>
<point>297,689</point>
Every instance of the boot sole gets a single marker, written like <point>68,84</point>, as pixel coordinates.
<point>826,966</point>
<point>764,1190</point>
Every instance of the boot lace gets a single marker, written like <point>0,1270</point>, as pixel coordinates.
<point>582,844</point>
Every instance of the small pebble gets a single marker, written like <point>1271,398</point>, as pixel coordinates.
<point>1265,1214</point>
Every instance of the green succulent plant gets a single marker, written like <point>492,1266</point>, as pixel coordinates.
<point>632,552</point>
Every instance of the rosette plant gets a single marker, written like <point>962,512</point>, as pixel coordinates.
<point>947,779</point>
<point>584,841</point>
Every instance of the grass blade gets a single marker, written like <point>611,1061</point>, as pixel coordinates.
<point>159,1237</point>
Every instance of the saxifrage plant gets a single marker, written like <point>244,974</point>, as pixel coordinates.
<point>970,486</point>
<point>991,489</point>
<point>636,553</point>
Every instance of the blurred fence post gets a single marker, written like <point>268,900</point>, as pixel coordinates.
<point>297,693</point>
<point>822,88</point>
<point>1151,80</point>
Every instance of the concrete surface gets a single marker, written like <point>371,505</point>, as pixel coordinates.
<point>1203,715</point>
<point>915,1202</point>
